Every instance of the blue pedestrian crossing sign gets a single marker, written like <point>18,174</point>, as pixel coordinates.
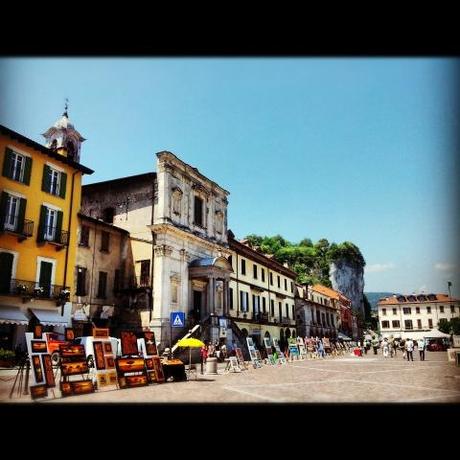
<point>177,319</point>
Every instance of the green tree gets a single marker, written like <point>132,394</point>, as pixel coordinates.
<point>444,326</point>
<point>455,324</point>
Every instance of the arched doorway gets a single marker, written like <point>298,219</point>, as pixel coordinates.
<point>288,334</point>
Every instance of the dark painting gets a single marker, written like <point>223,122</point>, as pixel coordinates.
<point>39,346</point>
<point>128,343</point>
<point>74,368</point>
<point>150,345</point>
<point>38,331</point>
<point>72,351</point>
<point>130,364</point>
<point>37,365</point>
<point>159,375</point>
<point>49,374</point>
<point>38,391</point>
<point>101,332</point>
<point>99,355</point>
<point>69,334</point>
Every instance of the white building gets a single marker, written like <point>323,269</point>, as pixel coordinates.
<point>409,315</point>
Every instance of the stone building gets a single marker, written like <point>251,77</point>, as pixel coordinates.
<point>414,315</point>
<point>261,297</point>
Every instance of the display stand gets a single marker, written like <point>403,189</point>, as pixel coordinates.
<point>104,372</point>
<point>302,349</point>
<point>256,360</point>
<point>281,357</point>
<point>240,358</point>
<point>268,348</point>
<point>148,349</point>
<point>293,351</point>
<point>131,367</point>
<point>232,365</point>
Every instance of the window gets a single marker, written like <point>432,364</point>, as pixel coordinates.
<point>384,311</point>
<point>419,324</point>
<point>84,236</point>
<point>17,167</point>
<point>287,311</point>
<point>293,311</point>
<point>395,324</point>
<point>292,286</point>
<point>428,310</point>
<point>285,284</point>
<point>271,278</point>
<point>280,311</point>
<point>198,215</point>
<point>385,324</point>
<point>102,286</point>
<point>145,273</point>
<point>264,304</point>
<point>108,215</point>
<point>243,267</point>
<point>45,278</point>
<point>50,224</point>
<point>54,181</point>
<point>430,323</point>
<point>231,297</point>
<point>6,271</point>
<point>406,310</point>
<point>408,324</point>
<point>452,308</point>
<point>417,310</point>
<point>279,281</point>
<point>81,281</point>
<point>262,274</point>
<point>10,212</point>
<point>254,271</point>
<point>230,260</point>
<point>272,307</point>
<point>441,309</point>
<point>244,301</point>
<point>394,311</point>
<point>105,241</point>
<point>174,292</point>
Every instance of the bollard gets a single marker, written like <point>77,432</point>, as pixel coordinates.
<point>211,366</point>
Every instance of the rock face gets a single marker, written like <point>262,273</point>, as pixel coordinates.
<point>348,278</point>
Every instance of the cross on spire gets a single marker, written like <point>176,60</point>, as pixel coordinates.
<point>66,107</point>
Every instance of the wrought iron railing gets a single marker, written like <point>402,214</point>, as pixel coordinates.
<point>34,289</point>
<point>53,235</point>
<point>9,223</point>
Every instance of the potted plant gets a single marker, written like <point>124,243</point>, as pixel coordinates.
<point>7,358</point>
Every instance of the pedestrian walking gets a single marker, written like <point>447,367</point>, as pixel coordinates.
<point>421,345</point>
<point>203,356</point>
<point>385,348</point>
<point>402,347</point>
<point>375,344</point>
<point>410,349</point>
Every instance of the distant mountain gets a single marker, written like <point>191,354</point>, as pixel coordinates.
<point>374,297</point>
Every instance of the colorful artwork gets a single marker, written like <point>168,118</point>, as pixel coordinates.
<point>37,365</point>
<point>112,377</point>
<point>38,391</point>
<point>49,374</point>
<point>69,334</point>
<point>109,362</point>
<point>102,380</point>
<point>74,368</point>
<point>72,351</point>
<point>99,355</point>
<point>150,344</point>
<point>136,380</point>
<point>38,331</point>
<point>128,343</point>
<point>130,364</point>
<point>101,332</point>
<point>82,387</point>
<point>159,375</point>
<point>108,348</point>
<point>66,389</point>
<point>151,377</point>
<point>39,346</point>
<point>149,363</point>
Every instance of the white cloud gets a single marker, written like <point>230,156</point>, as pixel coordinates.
<point>376,268</point>
<point>444,266</point>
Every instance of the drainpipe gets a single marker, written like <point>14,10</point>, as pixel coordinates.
<point>68,230</point>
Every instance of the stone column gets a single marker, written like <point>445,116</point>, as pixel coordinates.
<point>225,297</point>
<point>211,294</point>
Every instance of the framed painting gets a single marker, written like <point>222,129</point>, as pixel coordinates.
<point>69,334</point>
<point>151,377</point>
<point>102,380</point>
<point>108,348</point>
<point>149,364</point>
<point>150,345</point>
<point>82,387</point>
<point>72,351</point>
<point>39,346</point>
<point>109,362</point>
<point>38,331</point>
<point>159,375</point>
<point>66,389</point>
<point>99,355</point>
<point>101,332</point>
<point>130,364</point>
<point>128,343</point>
<point>112,377</point>
<point>136,380</point>
<point>74,368</point>
<point>38,391</point>
<point>38,371</point>
<point>49,374</point>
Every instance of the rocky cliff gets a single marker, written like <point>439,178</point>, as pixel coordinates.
<point>348,278</point>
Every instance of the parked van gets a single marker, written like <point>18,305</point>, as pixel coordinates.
<point>87,341</point>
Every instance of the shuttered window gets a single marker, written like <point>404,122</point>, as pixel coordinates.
<point>54,182</point>
<point>16,166</point>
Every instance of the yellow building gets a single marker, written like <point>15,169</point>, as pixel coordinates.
<point>40,192</point>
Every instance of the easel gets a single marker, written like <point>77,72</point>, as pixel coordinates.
<point>232,365</point>
<point>25,362</point>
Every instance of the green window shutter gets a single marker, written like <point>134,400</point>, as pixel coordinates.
<point>63,185</point>
<point>7,163</point>
<point>46,179</point>
<point>21,214</point>
<point>41,225</point>
<point>3,199</point>
<point>58,227</point>
<point>27,170</point>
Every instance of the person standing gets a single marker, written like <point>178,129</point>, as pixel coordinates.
<point>410,349</point>
<point>421,345</point>
<point>203,356</point>
<point>375,344</point>
<point>385,348</point>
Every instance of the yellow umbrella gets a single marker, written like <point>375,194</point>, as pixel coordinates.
<point>191,343</point>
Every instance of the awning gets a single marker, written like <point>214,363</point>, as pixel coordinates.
<point>51,317</point>
<point>12,315</point>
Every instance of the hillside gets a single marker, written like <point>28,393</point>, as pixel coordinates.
<point>374,297</point>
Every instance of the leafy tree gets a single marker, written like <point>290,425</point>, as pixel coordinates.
<point>306,242</point>
<point>455,323</point>
<point>444,326</point>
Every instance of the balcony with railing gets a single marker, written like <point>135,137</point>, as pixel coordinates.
<point>54,235</point>
<point>33,289</point>
<point>23,228</point>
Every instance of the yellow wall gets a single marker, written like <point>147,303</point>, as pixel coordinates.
<point>29,249</point>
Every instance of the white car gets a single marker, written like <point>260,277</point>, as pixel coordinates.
<point>87,341</point>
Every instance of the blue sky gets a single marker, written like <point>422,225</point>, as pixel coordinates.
<point>357,149</point>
